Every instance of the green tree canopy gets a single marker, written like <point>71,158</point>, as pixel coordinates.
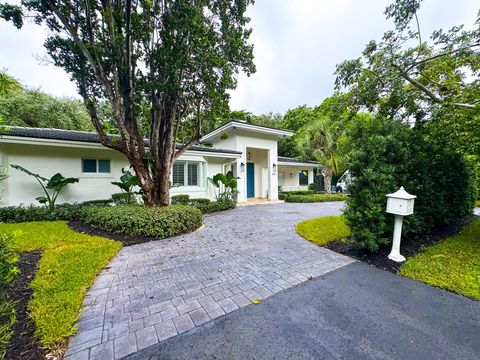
<point>21,106</point>
<point>182,57</point>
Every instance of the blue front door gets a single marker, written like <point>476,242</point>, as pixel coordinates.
<point>250,180</point>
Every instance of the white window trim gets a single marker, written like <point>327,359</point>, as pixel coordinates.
<point>96,173</point>
<point>201,175</point>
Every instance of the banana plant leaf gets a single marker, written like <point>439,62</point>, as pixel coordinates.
<point>57,182</point>
<point>21,168</point>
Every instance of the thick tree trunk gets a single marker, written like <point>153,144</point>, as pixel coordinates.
<point>327,173</point>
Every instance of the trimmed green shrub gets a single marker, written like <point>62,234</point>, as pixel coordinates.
<point>315,198</point>
<point>284,194</point>
<point>124,199</point>
<point>388,154</point>
<point>181,199</point>
<point>161,222</point>
<point>103,202</point>
<point>16,214</point>
<point>8,271</point>
<point>216,206</point>
<point>199,201</point>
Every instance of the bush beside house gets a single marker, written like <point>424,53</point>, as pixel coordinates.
<point>204,205</point>
<point>315,198</point>
<point>388,154</point>
<point>161,222</point>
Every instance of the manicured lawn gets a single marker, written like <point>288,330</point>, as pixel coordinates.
<point>69,265</point>
<point>323,230</point>
<point>453,264</point>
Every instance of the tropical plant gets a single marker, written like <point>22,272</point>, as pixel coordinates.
<point>322,141</point>
<point>51,187</point>
<point>229,182</point>
<point>181,57</point>
<point>127,181</point>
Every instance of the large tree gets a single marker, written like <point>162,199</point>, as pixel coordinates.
<point>406,76</point>
<point>181,55</point>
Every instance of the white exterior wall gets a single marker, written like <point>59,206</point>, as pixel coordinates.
<point>289,182</point>
<point>22,189</point>
<point>49,159</point>
<point>263,152</point>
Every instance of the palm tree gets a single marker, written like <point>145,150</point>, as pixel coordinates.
<point>321,140</point>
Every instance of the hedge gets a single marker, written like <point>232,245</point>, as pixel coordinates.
<point>315,198</point>
<point>284,194</point>
<point>216,206</point>
<point>137,220</point>
<point>16,214</point>
<point>124,198</point>
<point>389,154</point>
<point>181,199</point>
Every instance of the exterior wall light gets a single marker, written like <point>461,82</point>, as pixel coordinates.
<point>242,166</point>
<point>274,168</point>
<point>400,203</point>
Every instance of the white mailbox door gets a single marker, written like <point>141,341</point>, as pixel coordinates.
<point>396,206</point>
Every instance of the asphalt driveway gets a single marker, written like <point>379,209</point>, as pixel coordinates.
<point>155,291</point>
<point>357,312</point>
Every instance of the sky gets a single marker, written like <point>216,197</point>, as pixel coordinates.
<point>297,44</point>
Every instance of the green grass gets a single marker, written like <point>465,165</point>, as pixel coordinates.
<point>323,230</point>
<point>477,203</point>
<point>453,264</point>
<point>68,267</point>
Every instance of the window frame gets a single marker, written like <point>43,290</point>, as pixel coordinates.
<point>186,178</point>
<point>300,178</point>
<point>97,171</point>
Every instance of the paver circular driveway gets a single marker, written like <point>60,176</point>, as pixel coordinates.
<point>153,291</point>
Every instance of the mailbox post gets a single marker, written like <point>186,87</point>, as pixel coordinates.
<point>400,203</point>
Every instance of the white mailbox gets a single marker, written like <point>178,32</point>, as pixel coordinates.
<point>400,203</point>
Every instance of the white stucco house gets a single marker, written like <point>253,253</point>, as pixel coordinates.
<point>250,151</point>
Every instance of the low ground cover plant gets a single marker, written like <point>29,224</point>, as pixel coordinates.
<point>315,198</point>
<point>69,265</point>
<point>8,271</point>
<point>137,220</point>
<point>323,230</point>
<point>453,264</point>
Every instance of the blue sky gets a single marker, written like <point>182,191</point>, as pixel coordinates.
<point>297,45</point>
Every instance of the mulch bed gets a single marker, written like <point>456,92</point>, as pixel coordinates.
<point>126,240</point>
<point>408,247</point>
<point>23,344</point>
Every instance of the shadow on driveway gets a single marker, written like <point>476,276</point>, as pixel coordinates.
<point>358,312</point>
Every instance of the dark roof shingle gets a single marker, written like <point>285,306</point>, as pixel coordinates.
<point>84,136</point>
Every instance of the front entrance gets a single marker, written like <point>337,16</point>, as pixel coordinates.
<point>250,180</point>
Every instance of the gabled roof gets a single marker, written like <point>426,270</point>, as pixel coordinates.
<point>87,137</point>
<point>233,125</point>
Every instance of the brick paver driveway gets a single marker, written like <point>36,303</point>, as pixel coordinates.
<point>154,291</point>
